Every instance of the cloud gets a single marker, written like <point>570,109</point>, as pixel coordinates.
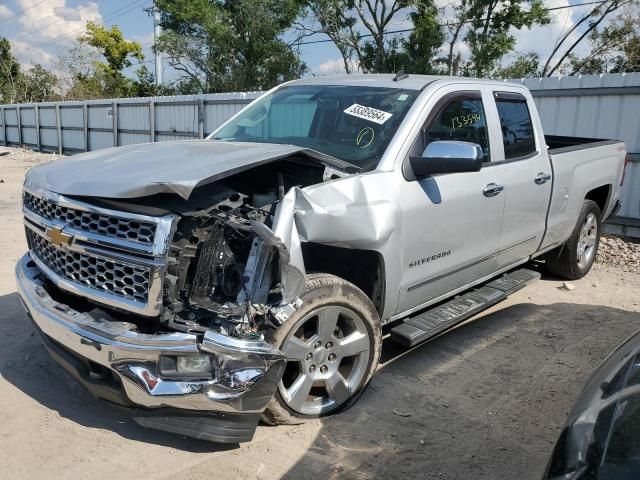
<point>46,27</point>
<point>53,20</point>
<point>334,66</point>
<point>27,54</point>
<point>5,12</point>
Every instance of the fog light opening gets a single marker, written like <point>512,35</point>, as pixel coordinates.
<point>194,364</point>
<point>189,366</point>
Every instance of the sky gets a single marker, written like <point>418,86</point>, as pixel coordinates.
<point>39,29</point>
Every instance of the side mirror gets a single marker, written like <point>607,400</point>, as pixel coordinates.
<point>447,157</point>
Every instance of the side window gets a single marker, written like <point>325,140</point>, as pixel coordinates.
<point>462,119</point>
<point>517,128</point>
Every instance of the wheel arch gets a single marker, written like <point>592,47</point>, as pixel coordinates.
<point>364,268</point>
<point>600,195</point>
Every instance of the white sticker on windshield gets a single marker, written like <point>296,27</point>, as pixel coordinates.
<point>368,113</point>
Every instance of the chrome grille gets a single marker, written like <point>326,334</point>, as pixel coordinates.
<point>108,225</point>
<point>109,276</point>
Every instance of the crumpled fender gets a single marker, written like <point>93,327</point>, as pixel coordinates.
<point>340,213</point>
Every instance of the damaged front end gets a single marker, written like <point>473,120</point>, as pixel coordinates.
<point>228,271</point>
<point>175,322</point>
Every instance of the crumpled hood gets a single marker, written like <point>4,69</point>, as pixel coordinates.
<point>150,168</point>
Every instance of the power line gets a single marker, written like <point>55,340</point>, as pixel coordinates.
<point>110,16</point>
<point>406,30</point>
<point>21,12</point>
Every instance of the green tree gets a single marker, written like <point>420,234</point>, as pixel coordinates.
<point>9,73</point>
<point>94,66</point>
<point>629,58</point>
<point>225,45</point>
<point>613,48</point>
<point>584,29</point>
<point>527,65</point>
<point>415,53</point>
<point>488,35</point>
<point>38,85</point>
<point>333,20</point>
<point>359,28</point>
<point>118,53</point>
<point>18,86</point>
<point>422,46</point>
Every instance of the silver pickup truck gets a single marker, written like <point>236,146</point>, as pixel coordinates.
<point>207,284</point>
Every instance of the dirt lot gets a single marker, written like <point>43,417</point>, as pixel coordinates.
<point>485,401</point>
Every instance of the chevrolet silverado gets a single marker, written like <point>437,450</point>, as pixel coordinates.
<point>205,285</point>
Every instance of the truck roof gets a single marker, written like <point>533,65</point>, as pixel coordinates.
<point>410,82</point>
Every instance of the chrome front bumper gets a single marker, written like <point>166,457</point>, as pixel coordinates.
<point>245,373</point>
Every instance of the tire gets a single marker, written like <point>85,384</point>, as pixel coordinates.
<point>574,258</point>
<point>317,354</point>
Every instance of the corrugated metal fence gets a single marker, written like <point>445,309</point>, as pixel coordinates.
<point>599,106</point>
<point>71,127</point>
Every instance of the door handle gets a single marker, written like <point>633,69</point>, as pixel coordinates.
<point>542,178</point>
<point>492,189</point>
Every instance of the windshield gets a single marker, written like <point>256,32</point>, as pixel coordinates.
<point>352,123</point>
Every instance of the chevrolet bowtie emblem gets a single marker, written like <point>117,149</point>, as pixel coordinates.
<point>57,237</point>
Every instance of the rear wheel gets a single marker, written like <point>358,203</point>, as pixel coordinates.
<point>332,344</point>
<point>574,259</point>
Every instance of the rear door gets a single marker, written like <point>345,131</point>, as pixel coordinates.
<point>451,224</point>
<point>522,165</point>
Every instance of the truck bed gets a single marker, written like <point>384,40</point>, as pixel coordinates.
<point>563,144</point>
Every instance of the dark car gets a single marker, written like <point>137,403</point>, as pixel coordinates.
<point>601,439</point>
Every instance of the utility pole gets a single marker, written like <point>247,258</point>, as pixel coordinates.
<point>156,35</point>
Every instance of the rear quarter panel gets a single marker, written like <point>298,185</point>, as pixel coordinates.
<point>575,173</point>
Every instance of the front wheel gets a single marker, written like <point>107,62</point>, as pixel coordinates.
<point>332,344</point>
<point>574,259</point>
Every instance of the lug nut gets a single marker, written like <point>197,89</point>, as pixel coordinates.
<point>317,345</point>
<point>312,369</point>
<point>329,345</point>
<point>332,357</point>
<point>309,355</point>
<point>323,369</point>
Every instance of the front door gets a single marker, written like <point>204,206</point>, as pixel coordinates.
<point>452,222</point>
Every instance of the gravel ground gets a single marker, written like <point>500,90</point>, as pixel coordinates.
<point>484,401</point>
<point>619,251</point>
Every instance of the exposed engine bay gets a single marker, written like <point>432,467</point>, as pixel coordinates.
<point>221,273</point>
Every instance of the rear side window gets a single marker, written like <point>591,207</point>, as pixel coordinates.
<point>517,128</point>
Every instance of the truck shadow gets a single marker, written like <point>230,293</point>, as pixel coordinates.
<point>487,398</point>
<point>26,364</point>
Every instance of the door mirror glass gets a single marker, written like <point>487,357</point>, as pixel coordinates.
<point>447,157</point>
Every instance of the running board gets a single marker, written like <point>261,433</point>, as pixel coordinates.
<point>421,327</point>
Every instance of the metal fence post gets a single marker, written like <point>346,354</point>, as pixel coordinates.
<point>59,128</point>
<point>19,123</point>
<point>36,116</point>
<point>116,139</point>
<point>4,127</point>
<point>85,125</point>
<point>200,118</point>
<point>152,120</point>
